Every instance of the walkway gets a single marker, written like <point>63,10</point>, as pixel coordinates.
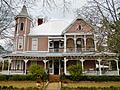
<point>54,86</point>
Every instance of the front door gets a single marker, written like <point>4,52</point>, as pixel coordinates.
<point>56,67</point>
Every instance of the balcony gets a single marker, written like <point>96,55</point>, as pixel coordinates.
<point>77,50</point>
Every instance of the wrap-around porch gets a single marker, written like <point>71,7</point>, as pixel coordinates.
<point>57,65</point>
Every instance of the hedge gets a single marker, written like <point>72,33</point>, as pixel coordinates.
<point>92,78</point>
<point>17,77</point>
<point>91,88</point>
<point>15,88</point>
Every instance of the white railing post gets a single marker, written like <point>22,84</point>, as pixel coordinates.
<point>82,63</point>
<point>85,41</point>
<point>25,66</point>
<point>9,62</point>
<point>99,61</point>
<point>45,61</point>
<point>65,61</point>
<point>117,66</point>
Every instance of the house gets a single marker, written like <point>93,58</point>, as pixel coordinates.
<point>55,45</point>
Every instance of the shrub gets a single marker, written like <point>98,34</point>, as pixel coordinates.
<point>94,78</point>
<point>75,71</point>
<point>37,71</point>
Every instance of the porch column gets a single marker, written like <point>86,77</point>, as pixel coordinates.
<point>99,60</point>
<point>65,61</point>
<point>45,61</point>
<point>25,66</point>
<point>95,42</point>
<point>117,67</point>
<point>2,64</point>
<point>9,62</point>
<point>75,42</point>
<point>64,43</point>
<point>85,41</point>
<point>82,62</point>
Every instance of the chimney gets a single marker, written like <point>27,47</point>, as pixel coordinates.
<point>40,21</point>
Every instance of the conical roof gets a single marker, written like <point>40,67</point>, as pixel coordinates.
<point>23,13</point>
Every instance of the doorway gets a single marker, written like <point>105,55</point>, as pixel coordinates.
<point>56,67</point>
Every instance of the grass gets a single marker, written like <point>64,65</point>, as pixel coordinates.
<point>19,84</point>
<point>92,84</point>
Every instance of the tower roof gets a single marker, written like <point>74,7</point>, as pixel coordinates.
<point>23,13</point>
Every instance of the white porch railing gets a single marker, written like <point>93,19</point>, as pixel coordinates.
<point>73,50</point>
<point>17,72</point>
<point>109,73</point>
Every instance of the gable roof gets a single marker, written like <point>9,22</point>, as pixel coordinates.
<point>53,27</point>
<point>72,23</point>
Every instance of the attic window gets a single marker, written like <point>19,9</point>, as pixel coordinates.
<point>21,26</point>
<point>79,27</point>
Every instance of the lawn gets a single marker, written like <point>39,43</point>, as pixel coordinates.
<point>91,84</point>
<point>19,84</point>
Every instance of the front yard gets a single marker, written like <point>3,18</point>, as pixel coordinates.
<point>91,84</point>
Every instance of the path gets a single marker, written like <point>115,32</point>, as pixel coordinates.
<point>54,86</point>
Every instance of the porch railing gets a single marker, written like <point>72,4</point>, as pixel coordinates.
<point>72,50</point>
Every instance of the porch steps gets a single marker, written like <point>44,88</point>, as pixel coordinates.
<point>54,78</point>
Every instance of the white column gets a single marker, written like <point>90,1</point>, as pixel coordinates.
<point>99,60</point>
<point>82,63</point>
<point>45,61</point>
<point>64,43</point>
<point>26,66</point>
<point>2,65</point>
<point>75,42</point>
<point>9,62</point>
<point>85,41</point>
<point>59,67</point>
<point>117,67</point>
<point>52,66</point>
<point>65,61</point>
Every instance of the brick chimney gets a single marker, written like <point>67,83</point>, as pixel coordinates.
<point>40,21</point>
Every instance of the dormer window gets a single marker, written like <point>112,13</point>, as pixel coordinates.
<point>21,26</point>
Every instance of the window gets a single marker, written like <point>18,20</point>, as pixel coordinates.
<point>61,45</point>
<point>51,45</point>
<point>34,44</point>
<point>20,42</point>
<point>21,26</point>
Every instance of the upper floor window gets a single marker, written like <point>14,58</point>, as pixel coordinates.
<point>34,44</point>
<point>79,27</point>
<point>20,42</point>
<point>61,45</point>
<point>51,44</point>
<point>21,26</point>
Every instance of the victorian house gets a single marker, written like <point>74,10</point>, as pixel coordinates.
<point>55,45</point>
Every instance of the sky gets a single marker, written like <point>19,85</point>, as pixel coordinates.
<point>56,10</point>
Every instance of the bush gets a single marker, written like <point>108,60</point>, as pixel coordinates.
<point>94,78</point>
<point>75,71</point>
<point>37,71</point>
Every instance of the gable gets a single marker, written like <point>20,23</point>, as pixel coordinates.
<point>78,26</point>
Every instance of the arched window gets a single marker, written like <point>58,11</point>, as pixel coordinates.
<point>21,26</point>
<point>90,43</point>
<point>79,27</point>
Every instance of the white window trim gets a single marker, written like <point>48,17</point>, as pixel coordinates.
<point>35,44</point>
<point>20,42</point>
<point>52,44</point>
